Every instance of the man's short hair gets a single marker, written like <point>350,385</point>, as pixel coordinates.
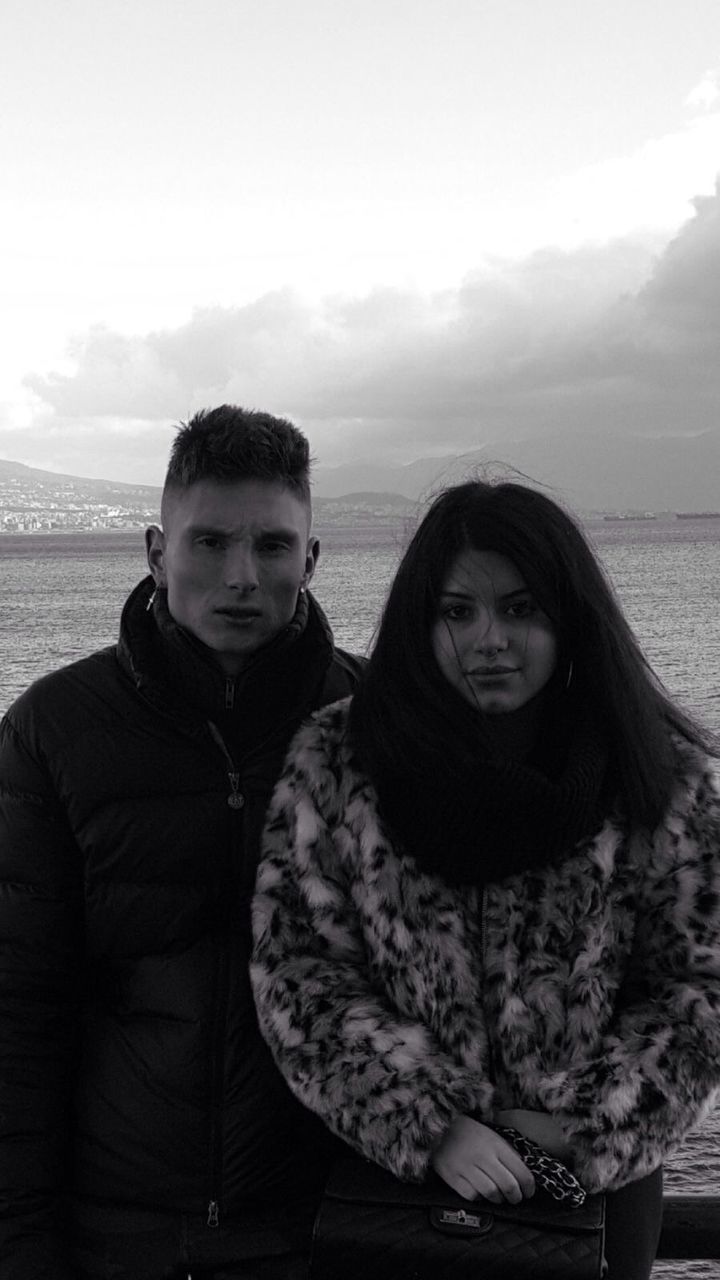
<point>230,444</point>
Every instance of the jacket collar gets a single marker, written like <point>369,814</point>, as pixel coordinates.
<point>181,676</point>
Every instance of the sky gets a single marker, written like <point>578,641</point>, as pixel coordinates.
<point>413,226</point>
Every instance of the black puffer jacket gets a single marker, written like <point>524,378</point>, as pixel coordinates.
<point>133,790</point>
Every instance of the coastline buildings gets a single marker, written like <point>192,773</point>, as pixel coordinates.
<point>32,502</point>
<point>40,502</point>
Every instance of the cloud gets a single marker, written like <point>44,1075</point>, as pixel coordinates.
<point>604,337</point>
<point>707,92</point>
<point>683,295</point>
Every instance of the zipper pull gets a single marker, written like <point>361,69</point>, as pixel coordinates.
<point>236,799</point>
<point>229,693</point>
<point>213,1214</point>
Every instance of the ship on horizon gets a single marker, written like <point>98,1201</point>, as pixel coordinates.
<point>697,515</point>
<point>632,515</point>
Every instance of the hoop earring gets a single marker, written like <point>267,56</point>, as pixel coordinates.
<point>568,682</point>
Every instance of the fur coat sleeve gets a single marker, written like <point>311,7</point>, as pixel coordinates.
<point>375,1073</point>
<point>654,1073</point>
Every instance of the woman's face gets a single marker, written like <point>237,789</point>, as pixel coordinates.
<point>491,640</point>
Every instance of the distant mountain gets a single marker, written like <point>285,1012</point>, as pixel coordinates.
<point>609,472</point>
<point>408,480</point>
<point>18,471</point>
<point>373,497</point>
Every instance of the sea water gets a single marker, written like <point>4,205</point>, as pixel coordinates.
<point>62,595</point>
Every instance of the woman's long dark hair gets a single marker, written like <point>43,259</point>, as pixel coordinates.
<point>610,675</point>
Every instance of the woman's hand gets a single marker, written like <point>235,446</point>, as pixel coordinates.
<point>539,1127</point>
<point>476,1161</point>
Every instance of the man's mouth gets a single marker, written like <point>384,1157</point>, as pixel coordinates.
<point>238,614</point>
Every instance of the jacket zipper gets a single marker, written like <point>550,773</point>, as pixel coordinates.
<point>236,801</point>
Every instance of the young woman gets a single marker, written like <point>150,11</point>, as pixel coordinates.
<point>490,892</point>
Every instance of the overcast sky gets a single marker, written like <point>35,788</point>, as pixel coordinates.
<point>412,225</point>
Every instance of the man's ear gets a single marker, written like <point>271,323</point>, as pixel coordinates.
<point>155,552</point>
<point>311,559</point>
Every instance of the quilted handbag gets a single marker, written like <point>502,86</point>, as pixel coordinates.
<point>370,1226</point>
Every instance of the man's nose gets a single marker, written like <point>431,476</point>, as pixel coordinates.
<point>241,572</point>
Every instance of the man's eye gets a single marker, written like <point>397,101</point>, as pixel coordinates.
<point>274,547</point>
<point>209,541</point>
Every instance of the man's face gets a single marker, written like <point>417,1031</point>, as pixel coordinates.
<point>233,558</point>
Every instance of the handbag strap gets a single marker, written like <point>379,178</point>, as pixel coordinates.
<point>554,1177</point>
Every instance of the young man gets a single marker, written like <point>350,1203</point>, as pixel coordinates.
<point>144,1131</point>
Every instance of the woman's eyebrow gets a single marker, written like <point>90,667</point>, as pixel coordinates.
<point>470,595</point>
<point>517,591</point>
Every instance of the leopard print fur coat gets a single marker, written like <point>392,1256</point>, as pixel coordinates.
<point>393,1002</point>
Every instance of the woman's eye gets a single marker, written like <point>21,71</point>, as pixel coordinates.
<point>522,609</point>
<point>456,612</point>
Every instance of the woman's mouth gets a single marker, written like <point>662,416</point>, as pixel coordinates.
<point>491,673</point>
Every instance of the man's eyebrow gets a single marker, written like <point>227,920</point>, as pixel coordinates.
<point>216,530</point>
<point>288,534</point>
<point>227,531</point>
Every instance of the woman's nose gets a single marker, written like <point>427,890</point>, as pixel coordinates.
<point>491,635</point>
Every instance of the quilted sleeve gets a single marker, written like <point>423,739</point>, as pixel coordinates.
<point>376,1078</point>
<point>659,1066</point>
<point>40,934</point>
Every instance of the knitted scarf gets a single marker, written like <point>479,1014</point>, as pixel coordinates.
<point>475,812</point>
